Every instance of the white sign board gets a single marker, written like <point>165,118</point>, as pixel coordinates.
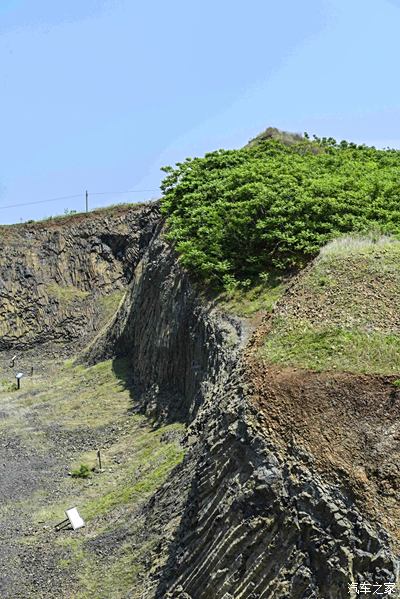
<point>75,519</point>
<point>19,375</point>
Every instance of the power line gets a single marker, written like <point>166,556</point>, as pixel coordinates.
<point>98,193</point>
<point>42,201</point>
<point>104,193</point>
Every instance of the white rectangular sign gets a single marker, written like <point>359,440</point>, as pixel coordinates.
<point>75,519</point>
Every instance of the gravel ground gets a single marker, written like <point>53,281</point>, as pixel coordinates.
<point>45,428</point>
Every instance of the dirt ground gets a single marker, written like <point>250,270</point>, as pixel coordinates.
<point>349,423</point>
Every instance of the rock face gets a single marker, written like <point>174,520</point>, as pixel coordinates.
<point>246,516</point>
<point>258,523</point>
<point>177,345</point>
<point>252,517</point>
<point>52,273</point>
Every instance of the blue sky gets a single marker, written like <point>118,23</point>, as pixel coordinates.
<point>98,94</point>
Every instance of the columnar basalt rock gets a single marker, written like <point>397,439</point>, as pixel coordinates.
<point>178,346</point>
<point>51,273</point>
<point>253,518</point>
<point>257,521</point>
<point>248,514</point>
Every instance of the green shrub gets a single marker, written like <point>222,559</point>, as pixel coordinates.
<point>82,472</point>
<point>6,385</point>
<point>234,214</point>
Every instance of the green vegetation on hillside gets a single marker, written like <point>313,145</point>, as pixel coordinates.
<point>341,313</point>
<point>248,300</point>
<point>65,293</point>
<point>234,214</point>
<point>298,344</point>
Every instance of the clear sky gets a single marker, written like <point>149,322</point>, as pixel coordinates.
<point>98,94</point>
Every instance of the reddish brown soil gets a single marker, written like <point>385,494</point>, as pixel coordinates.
<point>349,423</point>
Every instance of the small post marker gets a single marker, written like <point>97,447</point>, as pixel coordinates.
<point>19,376</point>
<point>87,201</point>
<point>99,458</point>
<point>12,362</point>
<point>31,370</point>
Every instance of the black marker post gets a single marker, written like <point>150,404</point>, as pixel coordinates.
<point>19,376</point>
<point>99,458</point>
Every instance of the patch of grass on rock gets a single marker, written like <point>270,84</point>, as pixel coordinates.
<point>297,343</point>
<point>341,312</point>
<point>66,293</point>
<point>109,304</point>
<point>256,297</point>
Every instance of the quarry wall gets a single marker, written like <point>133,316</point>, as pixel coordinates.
<point>243,517</point>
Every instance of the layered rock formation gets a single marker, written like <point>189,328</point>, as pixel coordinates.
<point>178,346</point>
<point>52,273</point>
<point>251,513</point>
<point>254,515</point>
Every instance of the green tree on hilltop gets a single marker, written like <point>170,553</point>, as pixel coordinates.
<point>235,213</point>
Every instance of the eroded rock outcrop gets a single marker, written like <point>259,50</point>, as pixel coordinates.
<point>244,517</point>
<point>52,273</point>
<point>251,513</point>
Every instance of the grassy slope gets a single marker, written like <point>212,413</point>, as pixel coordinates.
<point>68,416</point>
<point>342,312</point>
<point>256,298</point>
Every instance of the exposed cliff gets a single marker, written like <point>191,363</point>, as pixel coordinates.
<point>255,515</point>
<point>254,510</point>
<point>53,273</point>
<point>178,345</point>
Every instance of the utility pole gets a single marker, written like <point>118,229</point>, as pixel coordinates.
<point>87,201</point>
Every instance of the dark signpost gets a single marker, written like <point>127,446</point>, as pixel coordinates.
<point>99,458</point>
<point>19,376</point>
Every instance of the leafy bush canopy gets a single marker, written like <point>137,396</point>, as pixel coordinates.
<point>234,214</point>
